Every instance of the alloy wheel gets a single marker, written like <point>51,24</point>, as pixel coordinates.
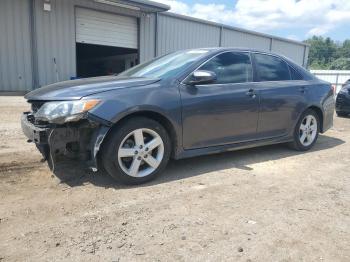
<point>141,152</point>
<point>308,130</point>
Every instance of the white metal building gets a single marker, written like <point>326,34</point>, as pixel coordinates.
<point>45,41</point>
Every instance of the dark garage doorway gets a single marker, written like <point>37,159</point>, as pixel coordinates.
<point>99,60</point>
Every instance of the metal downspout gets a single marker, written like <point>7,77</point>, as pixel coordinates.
<point>33,45</point>
<point>156,36</point>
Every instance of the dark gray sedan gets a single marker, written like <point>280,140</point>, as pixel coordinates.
<point>184,104</point>
<point>342,103</point>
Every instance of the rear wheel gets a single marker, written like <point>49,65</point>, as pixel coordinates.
<point>306,131</point>
<point>137,151</point>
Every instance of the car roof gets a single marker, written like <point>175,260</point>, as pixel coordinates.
<point>239,49</point>
<point>233,49</point>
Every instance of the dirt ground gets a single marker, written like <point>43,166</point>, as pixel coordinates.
<point>262,204</point>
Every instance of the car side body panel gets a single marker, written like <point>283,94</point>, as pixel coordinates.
<point>215,115</point>
<point>231,147</point>
<point>281,103</point>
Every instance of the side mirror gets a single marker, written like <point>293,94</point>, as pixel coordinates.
<point>202,77</point>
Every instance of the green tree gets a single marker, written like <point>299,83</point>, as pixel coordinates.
<point>323,51</point>
<point>344,51</point>
<point>340,64</point>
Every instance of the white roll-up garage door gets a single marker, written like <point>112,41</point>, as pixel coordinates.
<point>99,28</point>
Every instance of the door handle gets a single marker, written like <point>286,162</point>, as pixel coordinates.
<point>251,93</point>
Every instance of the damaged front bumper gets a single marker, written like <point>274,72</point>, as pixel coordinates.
<point>78,141</point>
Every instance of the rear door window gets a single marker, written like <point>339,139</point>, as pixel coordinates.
<point>230,67</point>
<point>271,68</point>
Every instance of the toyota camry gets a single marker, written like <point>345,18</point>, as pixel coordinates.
<point>184,104</point>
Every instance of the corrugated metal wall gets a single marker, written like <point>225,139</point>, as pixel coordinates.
<point>15,46</point>
<point>291,50</point>
<point>55,41</point>
<point>232,38</point>
<point>147,37</point>
<point>175,33</point>
<point>306,55</point>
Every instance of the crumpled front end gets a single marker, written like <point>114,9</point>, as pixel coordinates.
<point>79,140</point>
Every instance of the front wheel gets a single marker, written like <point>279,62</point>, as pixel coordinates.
<point>306,131</point>
<point>137,151</point>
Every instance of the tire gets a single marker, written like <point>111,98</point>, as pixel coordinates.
<point>341,114</point>
<point>310,131</point>
<point>125,140</point>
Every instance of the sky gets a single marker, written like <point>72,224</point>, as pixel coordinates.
<point>293,19</point>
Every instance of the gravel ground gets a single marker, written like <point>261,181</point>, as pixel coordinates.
<point>262,204</point>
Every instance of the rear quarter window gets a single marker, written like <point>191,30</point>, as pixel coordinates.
<point>295,74</point>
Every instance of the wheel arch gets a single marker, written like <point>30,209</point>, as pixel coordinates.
<point>319,113</point>
<point>154,115</point>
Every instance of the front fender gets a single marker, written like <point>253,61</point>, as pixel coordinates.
<point>116,105</point>
<point>147,111</point>
<point>96,141</point>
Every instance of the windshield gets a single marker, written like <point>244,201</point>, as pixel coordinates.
<point>165,66</point>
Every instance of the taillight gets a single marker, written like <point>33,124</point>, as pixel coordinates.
<point>334,89</point>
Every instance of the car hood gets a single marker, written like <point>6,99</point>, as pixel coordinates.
<point>77,89</point>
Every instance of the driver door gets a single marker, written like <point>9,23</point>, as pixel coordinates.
<point>224,111</point>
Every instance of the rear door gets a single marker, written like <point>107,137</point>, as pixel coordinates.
<point>282,95</point>
<point>222,112</point>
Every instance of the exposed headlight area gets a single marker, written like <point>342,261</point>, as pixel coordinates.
<point>60,112</point>
<point>61,129</point>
